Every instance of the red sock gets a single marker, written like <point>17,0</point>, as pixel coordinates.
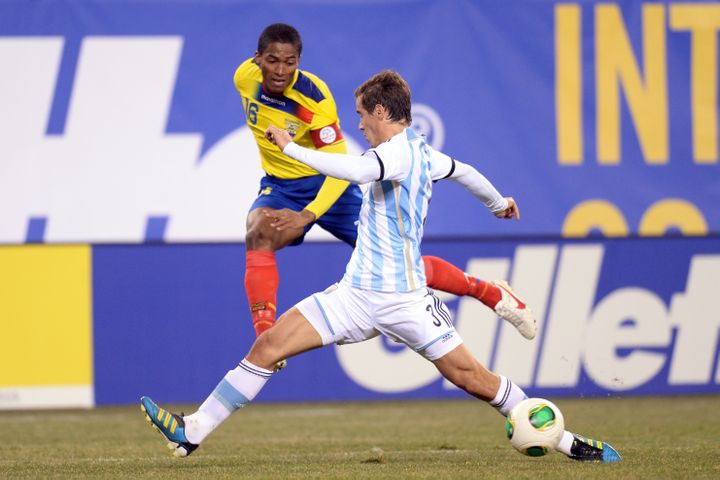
<point>261,285</point>
<point>444,276</point>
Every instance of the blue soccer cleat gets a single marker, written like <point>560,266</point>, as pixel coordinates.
<point>170,425</point>
<point>588,450</point>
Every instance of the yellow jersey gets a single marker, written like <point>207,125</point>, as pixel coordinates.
<point>307,110</point>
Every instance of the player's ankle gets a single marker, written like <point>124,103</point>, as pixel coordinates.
<point>484,291</point>
<point>565,444</point>
<point>261,326</point>
<point>198,426</point>
<point>262,319</point>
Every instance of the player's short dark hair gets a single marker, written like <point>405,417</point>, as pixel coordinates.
<point>279,33</point>
<point>389,89</point>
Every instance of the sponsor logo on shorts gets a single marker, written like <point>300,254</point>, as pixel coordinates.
<point>447,337</point>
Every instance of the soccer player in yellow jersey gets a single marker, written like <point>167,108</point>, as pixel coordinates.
<point>293,196</point>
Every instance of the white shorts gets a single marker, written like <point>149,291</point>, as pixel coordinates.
<point>344,314</point>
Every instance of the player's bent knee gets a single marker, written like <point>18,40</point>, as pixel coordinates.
<point>260,234</point>
<point>264,353</point>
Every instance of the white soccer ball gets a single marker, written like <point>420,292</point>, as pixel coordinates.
<point>535,426</point>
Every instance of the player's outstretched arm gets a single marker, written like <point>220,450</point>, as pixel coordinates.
<point>353,168</point>
<point>476,183</point>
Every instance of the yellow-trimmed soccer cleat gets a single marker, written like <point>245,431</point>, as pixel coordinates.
<point>170,425</point>
<point>588,450</point>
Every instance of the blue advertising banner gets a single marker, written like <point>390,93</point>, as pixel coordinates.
<point>616,317</point>
<point>120,122</point>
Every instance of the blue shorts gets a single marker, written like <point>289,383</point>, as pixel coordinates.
<point>340,220</point>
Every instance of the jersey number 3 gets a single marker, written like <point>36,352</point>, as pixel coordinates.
<point>438,311</point>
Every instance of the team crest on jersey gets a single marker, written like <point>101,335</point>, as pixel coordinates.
<point>292,126</point>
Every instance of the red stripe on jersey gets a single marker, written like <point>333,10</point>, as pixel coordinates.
<point>304,114</point>
<point>326,135</point>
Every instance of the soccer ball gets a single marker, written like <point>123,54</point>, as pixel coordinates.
<point>535,426</point>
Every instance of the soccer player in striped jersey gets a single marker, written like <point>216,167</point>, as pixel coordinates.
<point>383,291</point>
<point>294,196</point>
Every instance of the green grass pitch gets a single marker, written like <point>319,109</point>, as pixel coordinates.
<point>659,437</point>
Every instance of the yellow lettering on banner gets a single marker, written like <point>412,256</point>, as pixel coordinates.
<point>568,84</point>
<point>595,214</point>
<point>45,315</point>
<point>672,212</point>
<point>703,22</point>
<point>647,98</point>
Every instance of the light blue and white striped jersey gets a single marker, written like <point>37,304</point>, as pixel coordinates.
<point>387,255</point>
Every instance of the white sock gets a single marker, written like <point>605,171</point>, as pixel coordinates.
<point>238,388</point>
<point>565,443</point>
<point>507,396</point>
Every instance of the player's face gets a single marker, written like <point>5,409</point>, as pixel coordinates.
<point>369,124</point>
<point>278,64</point>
